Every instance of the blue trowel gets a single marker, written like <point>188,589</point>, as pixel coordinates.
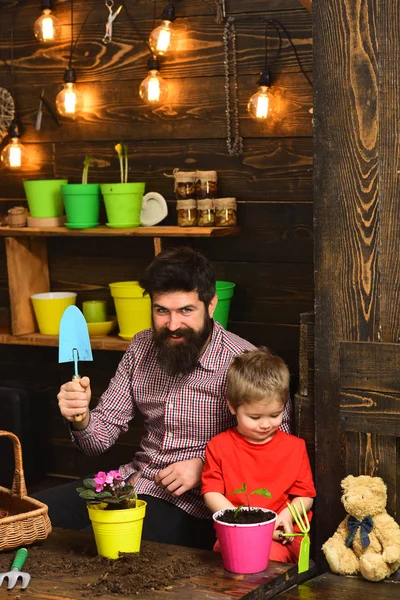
<point>74,342</point>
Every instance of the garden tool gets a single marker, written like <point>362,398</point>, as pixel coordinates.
<point>74,342</point>
<point>16,572</point>
<point>303,524</point>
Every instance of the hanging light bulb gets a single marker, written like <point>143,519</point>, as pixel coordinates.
<point>13,155</point>
<point>162,38</point>
<point>258,105</point>
<point>69,101</point>
<point>153,90</point>
<point>47,27</point>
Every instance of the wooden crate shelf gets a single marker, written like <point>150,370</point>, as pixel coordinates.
<point>107,342</point>
<point>28,272</point>
<point>155,232</point>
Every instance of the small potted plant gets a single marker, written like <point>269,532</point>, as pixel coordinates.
<point>123,201</point>
<point>82,200</point>
<point>245,534</point>
<point>116,513</point>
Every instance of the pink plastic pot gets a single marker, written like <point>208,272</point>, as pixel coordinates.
<point>245,548</point>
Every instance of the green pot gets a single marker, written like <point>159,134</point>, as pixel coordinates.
<point>82,204</point>
<point>44,197</point>
<point>224,291</point>
<point>123,202</point>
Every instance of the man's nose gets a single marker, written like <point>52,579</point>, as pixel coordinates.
<point>174,323</point>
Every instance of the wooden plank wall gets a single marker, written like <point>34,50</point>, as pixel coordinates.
<point>357,249</point>
<point>271,261</point>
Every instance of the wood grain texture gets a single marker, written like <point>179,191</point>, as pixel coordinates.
<point>375,455</point>
<point>195,110</point>
<point>370,412</point>
<point>28,274</point>
<point>389,157</point>
<point>346,217</point>
<point>335,587</point>
<point>370,366</point>
<point>307,4</point>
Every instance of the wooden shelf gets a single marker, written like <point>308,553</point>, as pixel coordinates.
<point>157,232</point>
<point>28,272</point>
<point>107,342</point>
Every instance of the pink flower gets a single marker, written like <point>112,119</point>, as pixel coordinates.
<point>100,478</point>
<point>99,488</point>
<point>116,475</point>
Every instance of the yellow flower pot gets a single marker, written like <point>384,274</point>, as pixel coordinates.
<point>117,531</point>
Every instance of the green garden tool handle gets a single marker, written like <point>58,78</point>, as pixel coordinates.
<point>20,559</point>
<point>291,534</point>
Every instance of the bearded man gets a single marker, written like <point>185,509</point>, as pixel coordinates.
<point>175,375</point>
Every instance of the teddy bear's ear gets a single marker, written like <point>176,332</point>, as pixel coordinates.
<point>378,485</point>
<point>346,482</point>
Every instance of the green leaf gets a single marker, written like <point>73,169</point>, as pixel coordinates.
<point>104,495</point>
<point>89,483</point>
<point>239,491</point>
<point>237,511</point>
<point>88,494</point>
<point>263,492</point>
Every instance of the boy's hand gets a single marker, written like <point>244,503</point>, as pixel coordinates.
<point>181,476</point>
<point>284,522</point>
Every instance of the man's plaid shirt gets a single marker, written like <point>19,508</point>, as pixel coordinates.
<point>181,413</point>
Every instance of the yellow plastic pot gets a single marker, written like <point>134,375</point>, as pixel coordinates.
<point>49,308</point>
<point>117,531</point>
<point>132,308</point>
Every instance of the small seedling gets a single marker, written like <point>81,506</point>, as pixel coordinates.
<point>244,490</point>
<point>86,165</point>
<point>122,151</point>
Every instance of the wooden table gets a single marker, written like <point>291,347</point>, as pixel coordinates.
<point>217,585</point>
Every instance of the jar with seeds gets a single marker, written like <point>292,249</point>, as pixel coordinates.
<point>225,212</point>
<point>187,213</point>
<point>206,184</point>
<point>184,184</point>
<point>205,212</point>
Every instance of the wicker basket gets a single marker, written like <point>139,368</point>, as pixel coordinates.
<point>28,519</point>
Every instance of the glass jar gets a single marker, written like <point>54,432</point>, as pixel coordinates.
<point>206,184</point>
<point>225,212</point>
<point>205,212</point>
<point>187,213</point>
<point>184,184</point>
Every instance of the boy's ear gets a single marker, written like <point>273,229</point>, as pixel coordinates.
<point>212,306</point>
<point>233,411</point>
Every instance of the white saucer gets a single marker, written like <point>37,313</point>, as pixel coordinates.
<point>154,209</point>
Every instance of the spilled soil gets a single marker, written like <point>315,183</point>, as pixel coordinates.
<point>154,568</point>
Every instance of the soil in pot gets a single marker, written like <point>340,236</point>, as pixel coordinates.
<point>245,517</point>
<point>154,568</point>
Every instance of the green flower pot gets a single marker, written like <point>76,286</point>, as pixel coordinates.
<point>82,204</point>
<point>123,202</point>
<point>44,197</point>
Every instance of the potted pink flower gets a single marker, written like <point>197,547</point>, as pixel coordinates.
<point>116,513</point>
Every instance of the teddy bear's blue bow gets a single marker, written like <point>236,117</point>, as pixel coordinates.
<point>365,527</point>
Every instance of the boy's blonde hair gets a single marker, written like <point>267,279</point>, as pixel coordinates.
<point>257,375</point>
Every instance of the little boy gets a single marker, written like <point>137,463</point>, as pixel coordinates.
<point>256,453</point>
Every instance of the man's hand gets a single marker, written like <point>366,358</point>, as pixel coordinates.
<point>181,476</point>
<point>73,399</point>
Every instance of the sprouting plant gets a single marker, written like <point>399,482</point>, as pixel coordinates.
<point>243,489</point>
<point>122,151</point>
<point>86,165</point>
<point>107,487</point>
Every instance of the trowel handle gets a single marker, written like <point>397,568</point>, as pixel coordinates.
<point>77,418</point>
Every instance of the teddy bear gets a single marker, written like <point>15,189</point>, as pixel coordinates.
<point>367,541</point>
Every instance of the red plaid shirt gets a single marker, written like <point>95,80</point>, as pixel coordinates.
<point>182,413</point>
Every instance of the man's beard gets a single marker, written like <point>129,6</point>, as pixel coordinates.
<point>180,357</point>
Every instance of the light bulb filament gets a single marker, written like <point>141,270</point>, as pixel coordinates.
<point>47,29</point>
<point>70,101</point>
<point>15,156</point>
<point>262,107</point>
<point>164,40</point>
<point>153,93</point>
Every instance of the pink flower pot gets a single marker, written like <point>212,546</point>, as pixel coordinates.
<point>245,548</point>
